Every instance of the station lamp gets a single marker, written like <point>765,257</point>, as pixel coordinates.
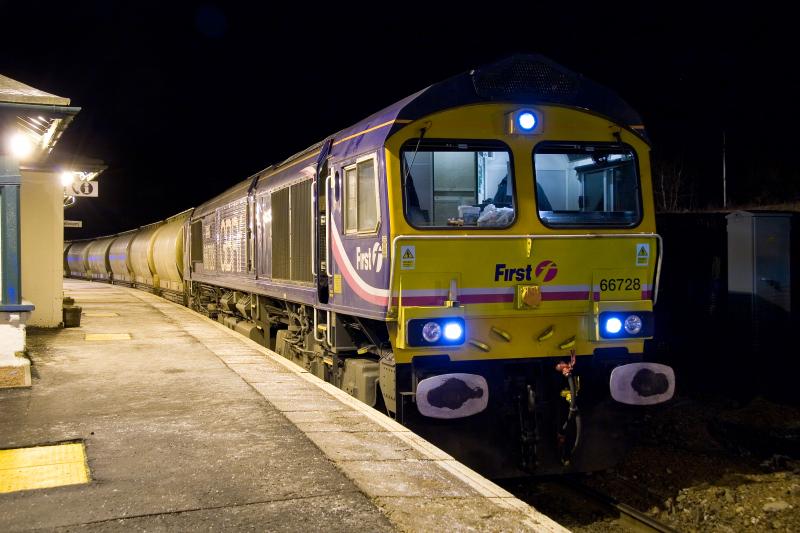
<point>67,178</point>
<point>19,146</point>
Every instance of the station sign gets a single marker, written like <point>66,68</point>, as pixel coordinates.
<point>73,223</point>
<point>84,188</point>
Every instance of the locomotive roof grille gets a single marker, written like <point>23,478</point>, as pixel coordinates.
<point>522,77</point>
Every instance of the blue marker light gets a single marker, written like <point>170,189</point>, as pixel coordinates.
<point>613,325</point>
<point>526,121</point>
<point>453,331</point>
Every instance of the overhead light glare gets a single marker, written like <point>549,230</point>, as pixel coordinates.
<point>20,146</point>
<point>67,177</point>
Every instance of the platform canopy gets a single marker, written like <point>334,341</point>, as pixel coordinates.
<point>37,119</point>
<point>34,116</point>
<point>13,91</point>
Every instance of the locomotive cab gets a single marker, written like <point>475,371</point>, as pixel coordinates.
<point>524,266</point>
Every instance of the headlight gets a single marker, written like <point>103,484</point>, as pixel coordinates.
<point>526,120</point>
<point>431,332</point>
<point>523,122</point>
<point>613,325</point>
<point>625,324</point>
<point>453,331</point>
<point>445,331</point>
<point>633,324</point>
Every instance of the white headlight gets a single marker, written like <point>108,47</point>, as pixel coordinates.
<point>431,332</point>
<point>453,331</point>
<point>633,324</point>
<point>613,325</point>
<point>526,121</point>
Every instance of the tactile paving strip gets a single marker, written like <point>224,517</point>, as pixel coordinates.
<point>41,467</point>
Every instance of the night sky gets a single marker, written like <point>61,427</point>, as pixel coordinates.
<point>182,101</point>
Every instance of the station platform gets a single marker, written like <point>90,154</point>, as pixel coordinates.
<point>187,425</point>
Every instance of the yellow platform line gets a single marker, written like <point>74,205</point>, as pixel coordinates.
<point>108,337</point>
<point>43,467</point>
<point>99,314</point>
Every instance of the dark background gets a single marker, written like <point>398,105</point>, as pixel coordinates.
<point>183,100</point>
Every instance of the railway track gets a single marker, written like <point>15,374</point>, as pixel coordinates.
<point>628,516</point>
<point>576,506</point>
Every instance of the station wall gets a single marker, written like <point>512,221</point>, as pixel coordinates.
<point>42,244</point>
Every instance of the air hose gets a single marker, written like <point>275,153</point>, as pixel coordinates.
<point>574,414</point>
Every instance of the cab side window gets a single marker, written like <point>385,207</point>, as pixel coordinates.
<point>361,197</point>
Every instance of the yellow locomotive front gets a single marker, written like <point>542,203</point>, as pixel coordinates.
<point>523,273</point>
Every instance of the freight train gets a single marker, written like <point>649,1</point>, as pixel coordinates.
<point>478,260</point>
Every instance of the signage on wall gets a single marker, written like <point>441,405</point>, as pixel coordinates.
<point>84,188</point>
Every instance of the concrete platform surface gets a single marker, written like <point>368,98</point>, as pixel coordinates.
<point>187,425</point>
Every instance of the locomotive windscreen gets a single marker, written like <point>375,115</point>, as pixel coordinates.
<point>587,185</point>
<point>454,184</point>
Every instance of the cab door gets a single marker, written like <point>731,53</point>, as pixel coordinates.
<point>321,234</point>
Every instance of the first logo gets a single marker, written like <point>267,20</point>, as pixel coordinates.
<point>546,270</point>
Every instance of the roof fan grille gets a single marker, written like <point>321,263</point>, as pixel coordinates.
<point>525,78</point>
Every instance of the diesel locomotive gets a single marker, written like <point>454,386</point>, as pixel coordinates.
<point>478,260</point>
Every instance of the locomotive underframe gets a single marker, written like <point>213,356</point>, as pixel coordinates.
<point>522,431</point>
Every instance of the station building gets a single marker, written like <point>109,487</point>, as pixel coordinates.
<point>32,200</point>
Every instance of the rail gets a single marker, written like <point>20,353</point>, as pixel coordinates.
<point>637,520</point>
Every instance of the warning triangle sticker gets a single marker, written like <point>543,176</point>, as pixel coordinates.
<point>642,254</point>
<point>408,254</point>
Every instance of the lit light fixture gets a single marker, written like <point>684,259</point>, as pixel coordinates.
<point>453,331</point>
<point>20,146</point>
<point>442,331</point>
<point>67,178</point>
<point>526,121</point>
<point>613,325</point>
<point>523,122</point>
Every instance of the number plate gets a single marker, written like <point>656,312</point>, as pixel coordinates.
<point>618,284</point>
